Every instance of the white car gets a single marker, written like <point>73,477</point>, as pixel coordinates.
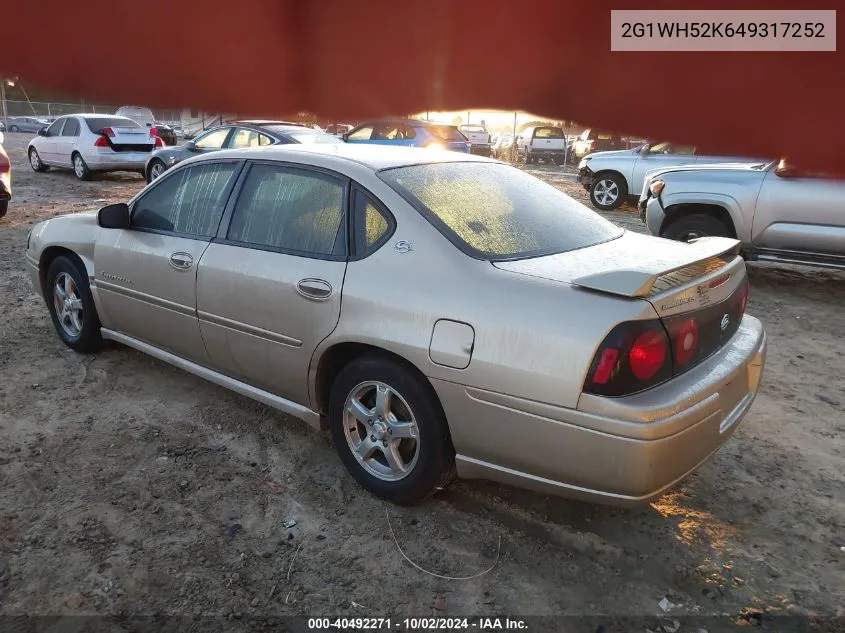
<point>92,142</point>
<point>616,176</point>
<point>140,114</point>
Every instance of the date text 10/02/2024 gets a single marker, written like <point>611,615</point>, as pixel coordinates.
<point>417,624</point>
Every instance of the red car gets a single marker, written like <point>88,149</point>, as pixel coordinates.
<point>5,179</point>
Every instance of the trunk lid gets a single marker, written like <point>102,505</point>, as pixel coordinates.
<point>131,139</point>
<point>698,286</point>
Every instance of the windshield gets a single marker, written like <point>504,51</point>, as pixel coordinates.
<point>495,211</point>
<point>312,137</point>
<point>97,125</point>
<point>446,132</point>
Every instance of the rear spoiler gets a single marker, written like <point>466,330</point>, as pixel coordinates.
<point>700,256</point>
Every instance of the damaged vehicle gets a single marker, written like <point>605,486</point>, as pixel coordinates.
<point>439,313</point>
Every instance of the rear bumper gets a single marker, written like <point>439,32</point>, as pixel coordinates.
<point>481,150</point>
<point>622,451</point>
<point>109,160</point>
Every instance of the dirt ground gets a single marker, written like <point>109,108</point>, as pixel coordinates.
<point>130,487</point>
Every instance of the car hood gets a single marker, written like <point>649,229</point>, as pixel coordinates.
<point>629,265</point>
<point>611,152</point>
<point>743,166</point>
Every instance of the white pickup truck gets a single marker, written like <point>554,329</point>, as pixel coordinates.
<point>479,138</point>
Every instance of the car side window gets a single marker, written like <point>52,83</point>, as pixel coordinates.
<point>243,137</point>
<point>190,201</point>
<point>71,128</point>
<point>56,128</point>
<point>263,140</point>
<point>213,139</point>
<point>362,134</point>
<point>409,132</point>
<point>371,224</point>
<point>289,209</point>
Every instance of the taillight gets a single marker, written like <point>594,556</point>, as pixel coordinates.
<point>108,132</point>
<point>153,131</point>
<point>742,296</point>
<point>5,165</point>
<point>102,141</point>
<point>647,355</point>
<point>633,357</point>
<point>159,142</point>
<point>684,341</point>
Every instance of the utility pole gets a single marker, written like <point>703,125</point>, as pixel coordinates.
<point>3,101</point>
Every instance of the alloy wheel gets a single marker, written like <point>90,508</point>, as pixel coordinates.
<point>78,166</point>
<point>381,431</point>
<point>606,191</point>
<point>68,304</point>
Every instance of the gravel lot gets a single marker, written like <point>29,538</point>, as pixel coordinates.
<point>130,487</point>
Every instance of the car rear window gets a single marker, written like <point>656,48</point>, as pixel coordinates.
<point>494,211</point>
<point>97,125</point>
<point>446,132</point>
<point>548,132</point>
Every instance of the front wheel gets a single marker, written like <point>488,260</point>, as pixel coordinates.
<point>695,225</point>
<point>155,169</point>
<point>390,431</point>
<point>72,306</point>
<point>608,192</point>
<point>35,160</point>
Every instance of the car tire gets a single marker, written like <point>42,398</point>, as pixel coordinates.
<point>155,164</point>
<point>71,305</point>
<point>608,191</point>
<point>80,168</point>
<point>694,225</point>
<point>14,128</point>
<point>559,160</point>
<point>35,161</point>
<point>4,206</point>
<point>424,452</point>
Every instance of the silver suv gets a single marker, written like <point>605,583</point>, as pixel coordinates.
<point>777,211</point>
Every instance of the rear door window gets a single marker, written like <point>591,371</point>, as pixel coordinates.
<point>213,139</point>
<point>448,133</point>
<point>71,128</point>
<point>290,210</point>
<point>362,134</point>
<point>372,224</point>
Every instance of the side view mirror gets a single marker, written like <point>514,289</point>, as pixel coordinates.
<point>114,216</point>
<point>42,131</point>
<point>191,146</point>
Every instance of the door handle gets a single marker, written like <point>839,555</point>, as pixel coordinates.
<point>181,261</point>
<point>314,289</point>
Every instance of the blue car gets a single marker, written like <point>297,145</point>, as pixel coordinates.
<point>409,133</point>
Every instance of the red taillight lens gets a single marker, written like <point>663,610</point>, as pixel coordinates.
<point>108,132</point>
<point>5,165</point>
<point>101,141</point>
<point>153,131</point>
<point>159,142</point>
<point>742,297</point>
<point>647,355</point>
<point>685,341</point>
<point>633,356</point>
<point>607,363</point>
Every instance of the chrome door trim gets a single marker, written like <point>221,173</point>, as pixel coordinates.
<point>265,397</point>
<point>108,286</point>
<point>238,326</point>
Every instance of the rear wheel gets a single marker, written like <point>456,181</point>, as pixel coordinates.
<point>608,191</point>
<point>389,430</point>
<point>14,128</point>
<point>694,225</point>
<point>80,168</point>
<point>72,306</point>
<point>35,160</point>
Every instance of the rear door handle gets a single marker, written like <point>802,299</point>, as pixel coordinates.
<point>317,289</point>
<point>181,261</point>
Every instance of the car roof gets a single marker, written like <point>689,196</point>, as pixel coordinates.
<point>264,122</point>
<point>375,157</point>
<point>416,122</point>
<point>88,115</point>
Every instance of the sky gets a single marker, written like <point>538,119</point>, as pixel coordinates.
<point>493,118</point>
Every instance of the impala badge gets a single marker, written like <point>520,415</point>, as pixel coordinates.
<point>726,321</point>
<point>403,246</point>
